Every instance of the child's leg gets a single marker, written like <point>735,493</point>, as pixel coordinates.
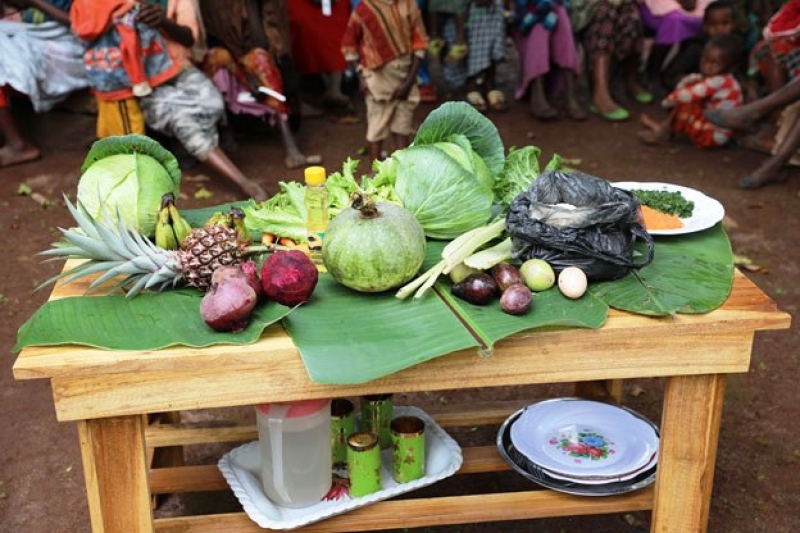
<point>219,161</point>
<point>400,140</point>
<point>658,132</point>
<point>375,149</point>
<point>539,106</point>
<point>574,108</point>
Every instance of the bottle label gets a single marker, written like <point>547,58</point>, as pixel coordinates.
<point>315,239</point>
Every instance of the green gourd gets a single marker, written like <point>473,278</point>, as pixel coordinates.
<point>372,247</point>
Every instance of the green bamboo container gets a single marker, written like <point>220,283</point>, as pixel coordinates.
<point>377,411</point>
<point>408,448</point>
<point>343,424</point>
<point>364,464</point>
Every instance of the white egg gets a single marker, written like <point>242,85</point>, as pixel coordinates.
<point>572,282</point>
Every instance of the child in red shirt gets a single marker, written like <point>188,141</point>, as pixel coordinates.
<point>714,87</point>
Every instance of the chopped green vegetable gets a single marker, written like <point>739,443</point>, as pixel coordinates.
<point>670,202</point>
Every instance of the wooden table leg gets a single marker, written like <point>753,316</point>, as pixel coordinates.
<point>689,434</point>
<point>115,469</point>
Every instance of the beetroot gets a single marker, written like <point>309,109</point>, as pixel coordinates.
<point>247,272</point>
<point>228,304</point>
<point>289,277</point>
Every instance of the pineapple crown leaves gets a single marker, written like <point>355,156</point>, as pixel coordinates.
<point>113,250</point>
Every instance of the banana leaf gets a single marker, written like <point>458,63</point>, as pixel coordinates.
<point>689,274</point>
<point>148,322</point>
<point>350,337</point>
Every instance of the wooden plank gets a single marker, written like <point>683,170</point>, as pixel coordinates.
<point>201,478</point>
<point>187,434</point>
<point>406,514</point>
<point>747,309</point>
<point>115,472</point>
<point>581,356</point>
<point>687,453</point>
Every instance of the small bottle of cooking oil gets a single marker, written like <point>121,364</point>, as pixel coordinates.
<point>317,208</point>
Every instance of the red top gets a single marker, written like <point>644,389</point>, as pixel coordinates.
<point>315,37</point>
<point>380,31</point>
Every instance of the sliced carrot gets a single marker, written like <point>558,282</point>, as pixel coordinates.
<point>657,220</point>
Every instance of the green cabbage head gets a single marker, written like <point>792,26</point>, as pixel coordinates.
<point>128,175</point>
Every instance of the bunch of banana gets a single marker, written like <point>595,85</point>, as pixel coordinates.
<point>171,227</point>
<point>234,219</point>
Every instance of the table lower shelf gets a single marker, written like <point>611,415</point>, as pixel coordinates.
<point>403,514</point>
<point>400,513</point>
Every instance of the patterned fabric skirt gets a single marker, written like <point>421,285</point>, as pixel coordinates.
<point>188,107</point>
<point>256,64</point>
<point>486,36</point>
<point>615,30</point>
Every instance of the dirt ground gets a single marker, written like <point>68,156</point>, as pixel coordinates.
<point>756,488</point>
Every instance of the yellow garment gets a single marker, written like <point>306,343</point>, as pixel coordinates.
<point>119,118</point>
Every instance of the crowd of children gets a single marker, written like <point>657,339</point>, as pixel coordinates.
<point>712,68</point>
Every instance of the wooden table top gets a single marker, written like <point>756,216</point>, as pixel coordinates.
<point>175,378</point>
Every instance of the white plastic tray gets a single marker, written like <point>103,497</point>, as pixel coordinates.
<point>242,469</point>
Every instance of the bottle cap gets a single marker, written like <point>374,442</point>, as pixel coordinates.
<point>315,175</point>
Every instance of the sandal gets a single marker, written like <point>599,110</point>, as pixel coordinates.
<point>497,100</point>
<point>475,99</point>
<point>457,53</point>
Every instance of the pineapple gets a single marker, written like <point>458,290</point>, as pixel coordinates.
<point>113,250</point>
<point>205,249</point>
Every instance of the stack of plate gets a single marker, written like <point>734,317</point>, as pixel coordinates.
<point>581,446</point>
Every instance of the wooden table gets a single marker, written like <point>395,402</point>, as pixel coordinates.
<point>112,396</point>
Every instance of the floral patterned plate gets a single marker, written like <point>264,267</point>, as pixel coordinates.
<point>585,439</point>
<point>520,464</point>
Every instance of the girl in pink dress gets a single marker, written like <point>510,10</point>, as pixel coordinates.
<point>544,39</point>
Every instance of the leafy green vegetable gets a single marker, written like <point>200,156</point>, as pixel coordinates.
<point>285,213</point>
<point>521,167</point>
<point>460,118</point>
<point>445,178</point>
<point>128,175</point>
<point>670,202</point>
<point>447,198</point>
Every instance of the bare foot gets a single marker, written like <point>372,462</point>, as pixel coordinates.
<point>768,173</point>
<point>542,110</point>
<point>16,156</point>
<point>654,137</point>
<point>254,190</point>
<point>576,112</point>
<point>605,105</point>
<point>296,160</point>
<point>649,122</point>
<point>734,119</point>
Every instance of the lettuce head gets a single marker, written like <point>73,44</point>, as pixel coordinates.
<point>128,175</point>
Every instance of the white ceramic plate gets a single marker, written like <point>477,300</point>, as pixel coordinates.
<point>603,480</point>
<point>579,438</point>
<point>520,464</point>
<point>707,210</point>
<point>242,470</point>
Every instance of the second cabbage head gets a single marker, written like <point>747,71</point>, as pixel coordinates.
<point>446,177</point>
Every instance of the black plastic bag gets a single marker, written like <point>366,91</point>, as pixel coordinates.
<point>574,219</point>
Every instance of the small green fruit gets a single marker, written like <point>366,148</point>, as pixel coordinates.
<point>538,274</point>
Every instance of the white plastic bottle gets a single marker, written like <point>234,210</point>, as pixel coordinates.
<point>317,208</point>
